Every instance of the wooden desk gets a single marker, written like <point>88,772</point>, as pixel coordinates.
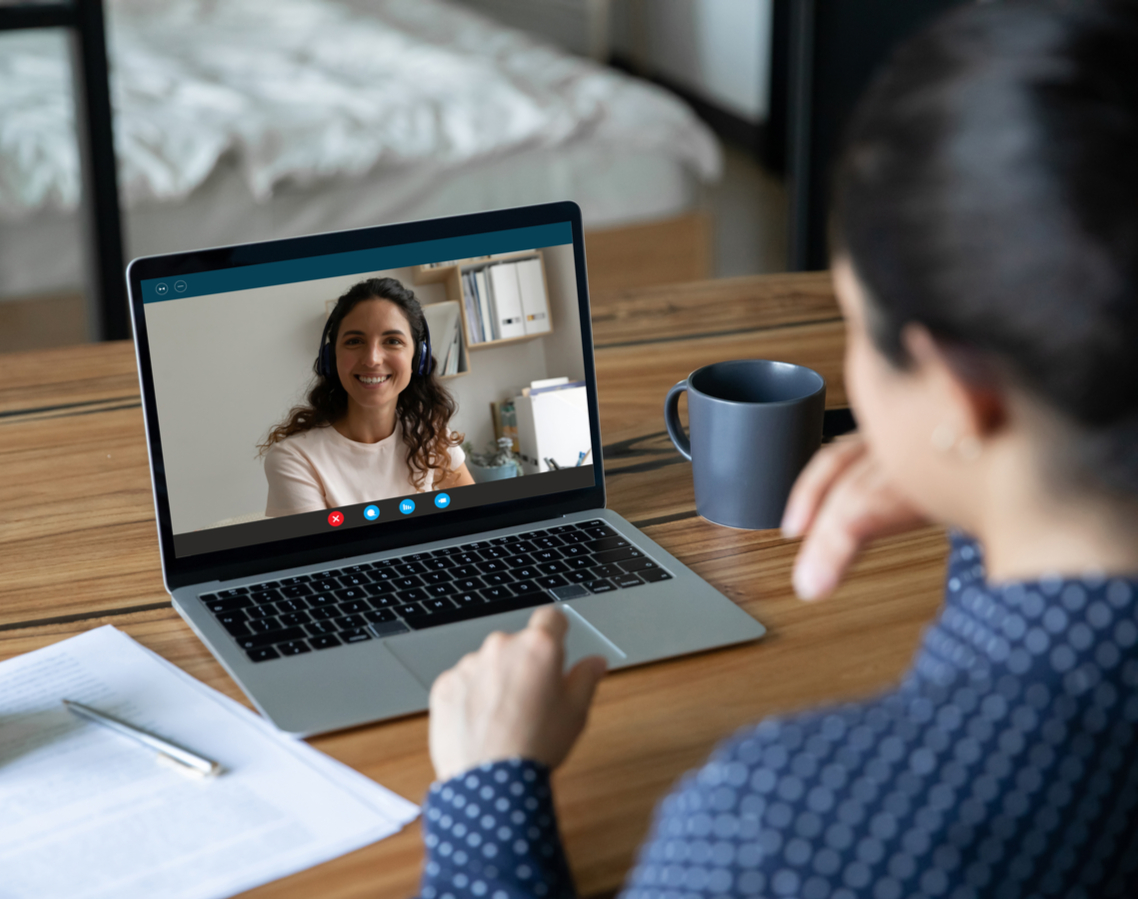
<point>78,549</point>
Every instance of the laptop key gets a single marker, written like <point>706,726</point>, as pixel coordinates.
<point>497,578</point>
<point>551,581</point>
<point>296,590</point>
<point>355,635</point>
<point>407,582</point>
<point>321,600</point>
<point>324,641</point>
<point>318,628</point>
<point>412,596</point>
<point>437,564</point>
<point>600,586</point>
<point>526,572</point>
<point>468,598</point>
<point>355,579</point>
<point>236,627</point>
<point>439,590</point>
<point>607,571</point>
<point>437,577</point>
<point>543,556</point>
<point>355,606</point>
<point>320,613</point>
<point>295,618</point>
<point>378,616</point>
<point>229,605</point>
<point>266,596</point>
<point>552,568</point>
<point>230,593</point>
<point>623,553</point>
<point>345,595</point>
<point>627,581</point>
<point>519,559</point>
<point>325,584</point>
<point>467,559</point>
<point>291,604</point>
<point>438,604</point>
<point>491,565</point>
<point>494,594</point>
<point>388,629</point>
<point>385,600</point>
<point>465,572</point>
<point>352,621</point>
<point>271,637</point>
<point>651,575</point>
<point>580,562</point>
<point>410,610</point>
<point>413,568</point>
<point>467,584</point>
<point>260,654</point>
<point>579,576</point>
<point>525,586</point>
<point>575,550</point>
<point>636,565</point>
<point>293,648</point>
<point>495,550</point>
<point>260,626</point>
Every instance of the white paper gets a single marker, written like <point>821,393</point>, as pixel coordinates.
<point>88,813</point>
<point>535,305</point>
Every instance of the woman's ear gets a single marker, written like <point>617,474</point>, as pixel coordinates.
<point>972,396</point>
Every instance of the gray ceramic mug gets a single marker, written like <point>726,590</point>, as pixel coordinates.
<point>754,424</point>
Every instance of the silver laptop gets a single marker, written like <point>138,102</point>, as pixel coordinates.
<point>345,610</point>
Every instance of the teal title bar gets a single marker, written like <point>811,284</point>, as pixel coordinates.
<point>242,278</point>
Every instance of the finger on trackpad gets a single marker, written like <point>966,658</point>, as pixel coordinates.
<point>429,653</point>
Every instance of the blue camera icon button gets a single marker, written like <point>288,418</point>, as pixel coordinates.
<point>407,506</point>
<point>371,513</point>
<point>442,501</point>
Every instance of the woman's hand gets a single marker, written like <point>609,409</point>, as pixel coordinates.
<point>511,699</point>
<point>840,502</point>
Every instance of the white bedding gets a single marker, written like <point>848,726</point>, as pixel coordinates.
<point>303,92</point>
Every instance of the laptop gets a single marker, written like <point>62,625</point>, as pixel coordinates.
<point>335,616</point>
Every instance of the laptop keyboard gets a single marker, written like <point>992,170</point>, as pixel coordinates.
<point>376,600</point>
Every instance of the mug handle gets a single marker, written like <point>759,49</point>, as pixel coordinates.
<point>672,419</point>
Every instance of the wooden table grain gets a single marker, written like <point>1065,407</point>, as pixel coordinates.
<point>78,549</point>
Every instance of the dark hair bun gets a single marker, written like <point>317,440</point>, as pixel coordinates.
<point>989,190</point>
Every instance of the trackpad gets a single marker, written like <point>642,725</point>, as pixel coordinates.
<point>427,654</point>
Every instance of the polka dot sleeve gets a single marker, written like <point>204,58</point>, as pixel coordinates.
<point>492,832</point>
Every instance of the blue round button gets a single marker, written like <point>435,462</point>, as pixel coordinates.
<point>371,513</point>
<point>442,501</point>
<point>406,506</point>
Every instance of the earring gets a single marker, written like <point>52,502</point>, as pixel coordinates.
<point>944,437</point>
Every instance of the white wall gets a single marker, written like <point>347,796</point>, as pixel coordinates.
<point>717,49</point>
<point>227,367</point>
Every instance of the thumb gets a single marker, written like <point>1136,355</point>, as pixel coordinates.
<point>582,681</point>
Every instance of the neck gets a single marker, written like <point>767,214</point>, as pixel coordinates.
<point>366,426</point>
<point>1029,528</point>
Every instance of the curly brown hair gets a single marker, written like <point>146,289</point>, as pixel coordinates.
<point>424,408</point>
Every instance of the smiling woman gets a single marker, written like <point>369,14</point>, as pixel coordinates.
<point>376,423</point>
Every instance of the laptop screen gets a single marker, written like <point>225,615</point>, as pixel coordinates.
<point>367,389</point>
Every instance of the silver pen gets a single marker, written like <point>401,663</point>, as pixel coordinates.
<point>198,764</point>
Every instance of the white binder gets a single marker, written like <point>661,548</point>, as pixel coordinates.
<point>552,425</point>
<point>535,303</point>
<point>507,300</point>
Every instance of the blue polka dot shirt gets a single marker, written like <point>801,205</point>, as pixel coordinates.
<point>1005,764</point>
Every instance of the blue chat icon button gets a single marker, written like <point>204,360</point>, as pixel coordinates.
<point>371,513</point>
<point>407,506</point>
<point>442,501</point>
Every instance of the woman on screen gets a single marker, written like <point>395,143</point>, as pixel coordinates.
<point>377,420</point>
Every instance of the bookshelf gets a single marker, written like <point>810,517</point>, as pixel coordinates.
<point>450,275</point>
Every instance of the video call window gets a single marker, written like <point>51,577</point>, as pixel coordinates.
<point>315,404</point>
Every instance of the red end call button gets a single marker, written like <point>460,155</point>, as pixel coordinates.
<point>335,517</point>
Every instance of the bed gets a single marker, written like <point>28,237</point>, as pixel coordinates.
<point>241,120</point>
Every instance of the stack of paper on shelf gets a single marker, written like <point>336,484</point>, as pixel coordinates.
<point>445,322</point>
<point>88,813</point>
<point>506,300</point>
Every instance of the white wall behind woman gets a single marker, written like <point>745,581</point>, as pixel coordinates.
<point>227,367</point>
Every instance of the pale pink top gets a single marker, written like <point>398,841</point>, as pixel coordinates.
<point>322,469</point>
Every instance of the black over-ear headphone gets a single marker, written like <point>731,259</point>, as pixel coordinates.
<point>326,360</point>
